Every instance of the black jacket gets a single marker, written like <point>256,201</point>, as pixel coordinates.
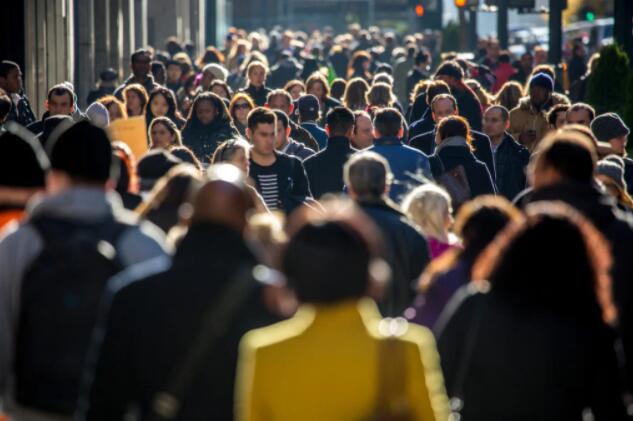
<point>258,95</point>
<point>413,77</point>
<point>511,160</point>
<point>406,252</point>
<point>418,108</point>
<point>628,174</point>
<point>203,140</point>
<point>22,113</point>
<point>526,363</point>
<point>478,175</point>
<point>422,125</point>
<point>325,169</point>
<point>617,227</point>
<point>481,142</point>
<point>155,313</point>
<point>469,107</point>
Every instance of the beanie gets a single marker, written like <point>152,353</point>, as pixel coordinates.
<point>613,167</point>
<point>82,151</point>
<point>543,80</point>
<point>608,126</point>
<point>155,164</point>
<point>98,115</point>
<point>217,70</point>
<point>23,162</point>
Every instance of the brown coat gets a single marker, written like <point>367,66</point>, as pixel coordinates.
<point>524,117</point>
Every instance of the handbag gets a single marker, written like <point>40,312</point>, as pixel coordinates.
<point>392,404</point>
<point>455,182</point>
<point>166,404</point>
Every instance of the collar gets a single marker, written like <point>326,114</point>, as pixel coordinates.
<point>451,142</point>
<point>388,140</point>
<point>348,313</point>
<point>338,142</point>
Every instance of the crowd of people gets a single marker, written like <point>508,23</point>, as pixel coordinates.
<point>323,227</point>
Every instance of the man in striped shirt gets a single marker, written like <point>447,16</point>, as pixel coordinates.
<point>280,179</point>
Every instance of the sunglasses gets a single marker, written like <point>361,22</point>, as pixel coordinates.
<point>242,106</point>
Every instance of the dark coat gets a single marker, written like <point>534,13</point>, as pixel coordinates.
<point>511,160</point>
<point>258,95</point>
<point>422,125</point>
<point>407,254</point>
<point>526,363</point>
<point>203,140</point>
<point>481,142</point>
<point>617,227</point>
<point>301,135</point>
<point>478,175</point>
<point>155,314</point>
<point>22,113</point>
<point>325,169</point>
<point>284,71</point>
<point>414,76</point>
<point>628,174</point>
<point>418,108</point>
<point>469,107</point>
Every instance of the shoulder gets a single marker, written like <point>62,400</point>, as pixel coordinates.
<point>480,137</point>
<point>272,338</point>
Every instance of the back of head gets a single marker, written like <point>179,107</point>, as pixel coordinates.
<point>453,126</point>
<point>368,175</point>
<point>428,206</point>
<point>154,165</point>
<point>23,162</point>
<point>435,88</point>
<point>451,69</point>
<point>82,151</point>
<point>570,154</point>
<point>339,121</point>
<point>388,122</point>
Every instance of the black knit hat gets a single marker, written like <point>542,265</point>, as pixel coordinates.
<point>82,151</point>
<point>23,162</point>
<point>608,126</point>
<point>155,164</point>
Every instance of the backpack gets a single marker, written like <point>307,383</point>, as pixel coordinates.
<point>59,305</point>
<point>455,182</point>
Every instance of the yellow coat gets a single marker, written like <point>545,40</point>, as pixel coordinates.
<point>322,365</point>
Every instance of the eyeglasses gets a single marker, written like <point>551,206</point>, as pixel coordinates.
<point>242,106</point>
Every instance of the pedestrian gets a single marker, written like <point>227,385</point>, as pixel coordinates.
<point>59,101</point>
<point>454,165</point>
<point>141,73</point>
<point>577,65</point>
<point>527,317</point>
<point>610,172</point>
<point>363,135</point>
<point>162,103</point>
<point>509,94</point>
<point>284,143</point>
<point>279,178</point>
<point>379,96</point>
<point>610,128</point>
<point>410,166</point>
<point>135,99</point>
<point>419,72</point>
<point>426,122</point>
<point>327,263</point>
<point>355,93</point>
<point>503,71</point>
<point>511,158</point>
<point>256,88</point>
<point>556,116</point>
<point>209,281</point>
<point>580,113</point>
<point>295,88</point>
<point>163,134</point>
<point>469,106</point>
<point>208,125</point>
<point>309,115</point>
<point>286,69</point>
<point>279,99</point>
<point>368,179</point>
<point>401,69</point>
<point>325,169</point>
<point>524,68</point>
<point>127,185</point>
<point>222,89</point>
<point>212,72</point>
<point>105,86</point>
<point>174,75</point>
<point>359,66</point>
<point>116,109</point>
<point>317,85</point>
<point>241,104</point>
<point>11,83</point>
<point>158,72</point>
<point>71,242</point>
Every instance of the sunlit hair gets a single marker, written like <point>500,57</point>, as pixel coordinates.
<point>317,77</point>
<point>138,90</point>
<point>171,128</point>
<point>428,207</point>
<point>110,100</point>
<point>509,94</point>
<point>354,96</point>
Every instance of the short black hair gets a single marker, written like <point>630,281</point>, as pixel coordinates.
<point>283,118</point>
<point>450,68</point>
<point>388,122</point>
<point>553,112</point>
<point>61,89</point>
<point>260,115</point>
<point>340,120</point>
<point>570,155</point>
<point>140,52</point>
<point>6,66</point>
<point>327,262</point>
<point>157,65</point>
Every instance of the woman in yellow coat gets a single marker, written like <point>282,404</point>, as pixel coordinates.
<point>335,359</point>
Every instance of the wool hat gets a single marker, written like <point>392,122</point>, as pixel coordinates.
<point>108,75</point>
<point>543,80</point>
<point>23,162</point>
<point>308,104</point>
<point>153,165</point>
<point>98,115</point>
<point>81,150</point>
<point>217,70</point>
<point>608,126</point>
<point>612,166</point>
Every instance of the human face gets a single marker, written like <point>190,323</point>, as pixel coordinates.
<point>159,106</point>
<point>296,92</point>
<point>241,110</point>
<point>560,119</point>
<point>279,102</point>
<point>281,137</point>
<point>133,104</point>
<point>257,76</point>
<point>363,137</point>
<point>114,112</point>
<point>539,95</point>
<point>161,137</point>
<point>174,73</point>
<point>494,126</point>
<point>60,105</point>
<point>618,144</point>
<point>207,78</point>
<point>141,66</point>
<point>206,112</point>
<point>263,139</point>
<point>442,108</point>
<point>159,75</point>
<point>13,82</point>
<point>220,91</point>
<point>317,90</point>
<point>578,117</point>
<point>240,160</point>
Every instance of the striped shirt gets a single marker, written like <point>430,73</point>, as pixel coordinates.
<point>269,190</point>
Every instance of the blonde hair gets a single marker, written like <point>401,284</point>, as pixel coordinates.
<point>428,206</point>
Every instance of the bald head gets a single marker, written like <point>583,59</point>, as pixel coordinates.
<point>224,199</point>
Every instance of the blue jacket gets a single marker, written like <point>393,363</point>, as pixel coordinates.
<point>317,132</point>
<point>408,165</point>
